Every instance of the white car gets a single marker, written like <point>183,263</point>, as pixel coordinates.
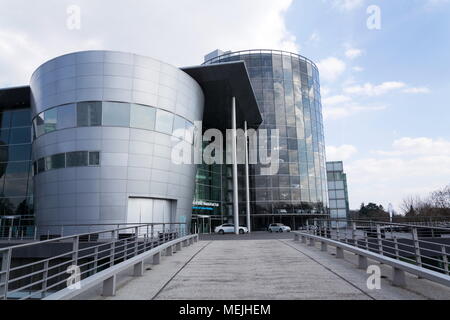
<point>229,228</point>
<point>278,227</point>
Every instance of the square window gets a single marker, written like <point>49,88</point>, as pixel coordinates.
<point>77,159</point>
<point>164,122</point>
<point>142,117</point>
<point>94,158</point>
<point>116,114</point>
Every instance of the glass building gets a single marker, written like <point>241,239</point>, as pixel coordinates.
<point>16,193</point>
<point>287,89</point>
<point>337,190</point>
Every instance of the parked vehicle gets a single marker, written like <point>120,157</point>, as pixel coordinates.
<point>278,227</point>
<point>229,228</point>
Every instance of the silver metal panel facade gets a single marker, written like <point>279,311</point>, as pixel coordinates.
<point>133,162</point>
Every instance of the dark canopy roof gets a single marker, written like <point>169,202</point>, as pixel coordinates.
<point>14,98</point>
<point>221,82</point>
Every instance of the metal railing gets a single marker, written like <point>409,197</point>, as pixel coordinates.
<point>38,269</point>
<point>421,245</point>
<point>46,232</point>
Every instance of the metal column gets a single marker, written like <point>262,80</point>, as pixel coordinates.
<point>247,179</point>
<point>235,166</point>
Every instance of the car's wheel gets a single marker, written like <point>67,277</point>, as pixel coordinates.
<point>280,231</point>
<point>221,232</point>
<point>241,231</point>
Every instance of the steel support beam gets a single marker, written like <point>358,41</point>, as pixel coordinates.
<point>235,166</point>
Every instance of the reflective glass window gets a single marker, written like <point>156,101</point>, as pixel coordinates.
<point>66,117</point>
<point>57,161</point>
<point>4,136</point>
<point>189,132</point>
<point>89,114</point>
<point>179,127</point>
<point>19,152</point>
<point>21,118</point>
<point>20,135</point>
<point>143,117</point>
<point>94,158</point>
<point>5,119</point>
<point>164,122</point>
<point>17,170</point>
<point>50,120</point>
<point>41,165</point>
<point>40,129</point>
<point>15,188</point>
<point>116,114</point>
<point>77,159</point>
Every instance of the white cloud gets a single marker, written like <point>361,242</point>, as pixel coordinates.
<point>339,112</point>
<point>418,146</point>
<point>331,68</point>
<point>423,90</point>
<point>347,5</point>
<point>340,153</point>
<point>333,100</point>
<point>178,32</point>
<point>358,69</point>
<point>411,166</point>
<point>353,53</point>
<point>314,38</point>
<point>370,90</point>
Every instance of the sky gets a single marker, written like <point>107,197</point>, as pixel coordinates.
<point>384,67</point>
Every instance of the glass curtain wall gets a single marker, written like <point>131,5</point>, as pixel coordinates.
<point>288,92</point>
<point>16,194</point>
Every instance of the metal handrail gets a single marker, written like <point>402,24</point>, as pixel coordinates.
<point>421,245</point>
<point>89,252</point>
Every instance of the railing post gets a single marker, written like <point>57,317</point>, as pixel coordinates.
<point>397,251</point>
<point>10,233</point>
<point>35,233</point>
<point>136,244</point>
<point>157,258</point>
<point>109,287</point>
<point>380,240</point>
<point>95,259</point>
<point>445,259</point>
<point>354,234</point>
<point>4,277</point>
<point>44,278</point>
<point>417,247</point>
<point>362,262</point>
<point>315,227</point>
<point>76,245</point>
<point>113,249</point>
<point>366,237</point>
<point>337,231</point>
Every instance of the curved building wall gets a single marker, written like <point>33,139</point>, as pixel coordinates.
<point>287,87</point>
<point>104,127</point>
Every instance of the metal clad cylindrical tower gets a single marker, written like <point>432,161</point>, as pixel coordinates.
<point>287,88</point>
<point>105,124</point>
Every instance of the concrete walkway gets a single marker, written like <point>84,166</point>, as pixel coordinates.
<point>262,270</point>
